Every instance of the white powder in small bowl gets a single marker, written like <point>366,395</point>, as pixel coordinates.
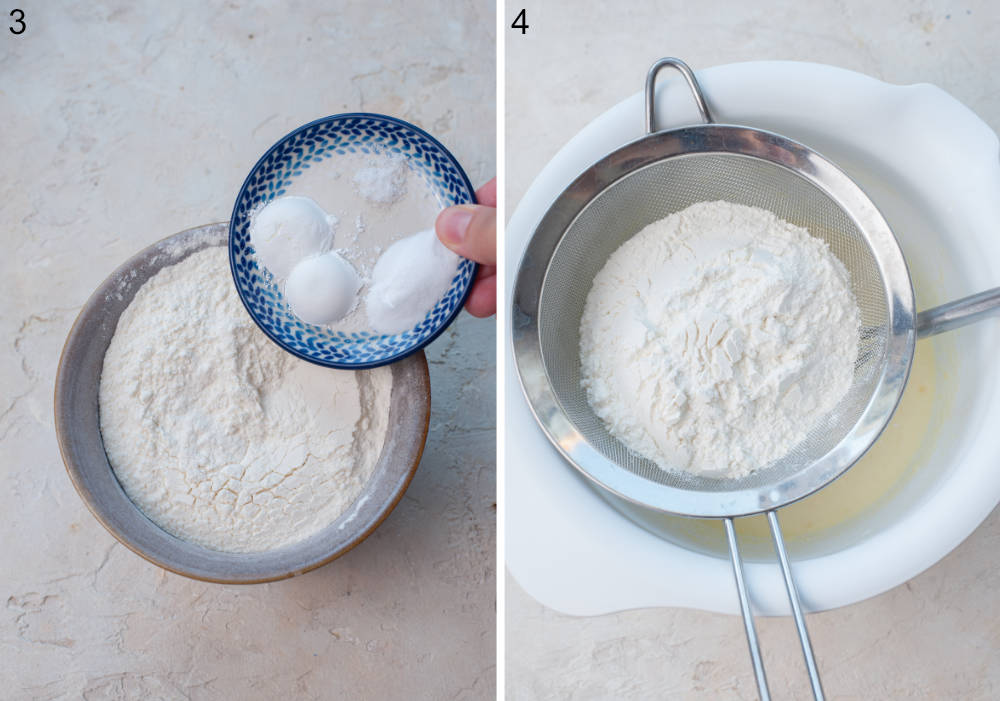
<point>382,182</point>
<point>322,289</point>
<point>288,229</point>
<point>408,280</point>
<point>220,437</point>
<point>293,237</point>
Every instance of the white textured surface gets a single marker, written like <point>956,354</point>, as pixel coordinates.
<point>123,125</point>
<point>936,636</point>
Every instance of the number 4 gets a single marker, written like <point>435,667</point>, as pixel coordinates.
<point>522,17</point>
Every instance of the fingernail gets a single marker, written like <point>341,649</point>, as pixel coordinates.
<point>453,224</point>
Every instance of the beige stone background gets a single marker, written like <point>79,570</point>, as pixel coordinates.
<point>126,122</point>
<point>936,637</point>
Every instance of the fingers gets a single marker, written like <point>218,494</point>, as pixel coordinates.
<point>482,301</point>
<point>487,194</point>
<point>470,230</point>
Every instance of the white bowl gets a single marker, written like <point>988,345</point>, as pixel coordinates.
<point>932,167</point>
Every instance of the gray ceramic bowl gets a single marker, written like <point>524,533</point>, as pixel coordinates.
<point>82,448</point>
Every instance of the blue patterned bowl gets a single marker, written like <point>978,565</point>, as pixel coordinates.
<point>274,175</point>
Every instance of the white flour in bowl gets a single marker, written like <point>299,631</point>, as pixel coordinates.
<point>219,436</point>
<point>714,339</point>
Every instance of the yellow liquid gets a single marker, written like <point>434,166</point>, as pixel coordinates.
<point>896,451</point>
<point>874,475</point>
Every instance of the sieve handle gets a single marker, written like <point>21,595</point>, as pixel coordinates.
<point>741,587</point>
<point>685,70</point>
<point>959,313</point>
<point>793,599</point>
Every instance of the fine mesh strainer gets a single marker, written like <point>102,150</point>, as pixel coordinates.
<point>662,173</point>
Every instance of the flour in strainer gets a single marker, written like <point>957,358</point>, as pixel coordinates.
<point>714,339</point>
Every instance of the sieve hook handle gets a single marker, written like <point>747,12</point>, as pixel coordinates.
<point>685,70</point>
<point>793,598</point>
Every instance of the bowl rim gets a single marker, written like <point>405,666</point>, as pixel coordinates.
<point>62,415</point>
<point>232,235</point>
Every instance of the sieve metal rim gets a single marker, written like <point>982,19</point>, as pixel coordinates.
<point>701,140</point>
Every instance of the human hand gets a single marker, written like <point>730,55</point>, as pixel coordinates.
<point>470,230</point>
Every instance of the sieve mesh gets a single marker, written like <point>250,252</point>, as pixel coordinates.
<point>657,190</point>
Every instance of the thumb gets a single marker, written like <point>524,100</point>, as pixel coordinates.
<point>469,230</point>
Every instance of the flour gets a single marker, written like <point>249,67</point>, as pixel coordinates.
<point>713,340</point>
<point>219,436</point>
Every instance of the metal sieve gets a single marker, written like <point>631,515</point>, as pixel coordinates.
<point>651,178</point>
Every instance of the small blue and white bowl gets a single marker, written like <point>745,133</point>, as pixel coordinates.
<point>275,174</point>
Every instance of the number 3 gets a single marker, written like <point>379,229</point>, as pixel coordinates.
<point>18,16</point>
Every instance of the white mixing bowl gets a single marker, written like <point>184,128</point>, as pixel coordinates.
<point>932,167</point>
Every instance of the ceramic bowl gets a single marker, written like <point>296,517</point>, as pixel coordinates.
<point>317,145</point>
<point>82,448</point>
<point>572,549</point>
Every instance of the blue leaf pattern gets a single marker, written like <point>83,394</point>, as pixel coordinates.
<point>271,178</point>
